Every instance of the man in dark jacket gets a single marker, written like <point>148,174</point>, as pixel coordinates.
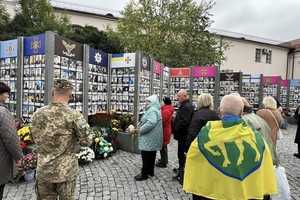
<point>10,151</point>
<point>181,125</point>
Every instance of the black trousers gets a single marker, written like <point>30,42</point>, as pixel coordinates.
<point>164,155</point>
<point>1,191</point>
<point>148,158</point>
<point>298,148</point>
<point>180,153</point>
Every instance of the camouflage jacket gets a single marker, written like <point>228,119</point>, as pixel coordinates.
<point>57,130</point>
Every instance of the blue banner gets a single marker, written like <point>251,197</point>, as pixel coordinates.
<point>9,48</point>
<point>295,83</point>
<point>34,45</point>
<point>98,57</point>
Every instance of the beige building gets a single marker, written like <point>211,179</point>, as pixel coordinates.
<point>249,54</point>
<point>253,55</point>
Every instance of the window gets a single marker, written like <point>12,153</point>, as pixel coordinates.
<point>257,55</point>
<point>269,57</point>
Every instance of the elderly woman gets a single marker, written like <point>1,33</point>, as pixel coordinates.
<point>204,114</point>
<point>151,137</point>
<point>10,151</point>
<point>272,116</point>
<point>259,124</point>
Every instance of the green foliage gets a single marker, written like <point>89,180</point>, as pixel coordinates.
<point>37,16</point>
<point>4,19</point>
<point>106,41</point>
<point>173,31</point>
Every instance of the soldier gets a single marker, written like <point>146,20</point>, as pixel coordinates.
<point>57,130</point>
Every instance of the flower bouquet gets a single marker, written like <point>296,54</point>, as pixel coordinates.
<point>27,165</point>
<point>26,141</point>
<point>86,155</point>
<point>102,147</point>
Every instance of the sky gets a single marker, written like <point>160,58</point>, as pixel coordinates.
<point>271,19</point>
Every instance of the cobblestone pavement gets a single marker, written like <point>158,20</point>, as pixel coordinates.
<point>113,178</point>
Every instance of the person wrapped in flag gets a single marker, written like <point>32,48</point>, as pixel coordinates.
<point>229,160</point>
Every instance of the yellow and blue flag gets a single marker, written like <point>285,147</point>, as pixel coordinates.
<point>229,161</point>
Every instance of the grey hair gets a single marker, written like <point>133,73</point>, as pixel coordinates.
<point>269,102</point>
<point>231,104</point>
<point>205,101</point>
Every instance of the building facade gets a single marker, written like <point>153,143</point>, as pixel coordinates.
<point>249,54</point>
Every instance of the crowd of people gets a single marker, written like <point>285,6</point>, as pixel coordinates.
<point>226,153</point>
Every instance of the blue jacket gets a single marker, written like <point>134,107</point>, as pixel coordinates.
<point>150,126</point>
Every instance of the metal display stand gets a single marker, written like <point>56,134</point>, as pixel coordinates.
<point>97,81</point>
<point>283,94</point>
<point>294,94</point>
<point>230,82</point>
<point>180,79</point>
<point>35,73</point>
<point>166,82</point>
<point>203,81</point>
<point>271,86</point>
<point>9,71</point>
<point>156,77</point>
<point>251,89</point>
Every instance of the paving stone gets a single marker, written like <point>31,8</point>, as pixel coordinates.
<point>113,178</point>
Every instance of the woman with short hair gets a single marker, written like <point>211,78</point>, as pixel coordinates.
<point>204,114</point>
<point>272,116</point>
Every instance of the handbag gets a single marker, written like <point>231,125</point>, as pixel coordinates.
<point>282,185</point>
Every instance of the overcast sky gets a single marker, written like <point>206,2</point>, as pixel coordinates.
<point>271,19</point>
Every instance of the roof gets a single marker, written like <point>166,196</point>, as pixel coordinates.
<point>246,37</point>
<point>102,12</point>
<point>294,44</point>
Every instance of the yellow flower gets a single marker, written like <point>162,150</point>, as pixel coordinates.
<point>23,131</point>
<point>27,138</point>
<point>97,140</point>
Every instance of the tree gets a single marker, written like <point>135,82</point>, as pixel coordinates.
<point>4,20</point>
<point>37,16</point>
<point>105,41</point>
<point>172,31</point>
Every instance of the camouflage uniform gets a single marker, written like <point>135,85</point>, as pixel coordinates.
<point>57,131</point>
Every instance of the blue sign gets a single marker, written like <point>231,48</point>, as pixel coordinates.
<point>98,57</point>
<point>34,45</point>
<point>295,83</point>
<point>9,48</point>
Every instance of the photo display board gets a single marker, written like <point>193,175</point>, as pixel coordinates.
<point>166,81</point>
<point>294,96</point>
<point>230,83</point>
<point>8,70</point>
<point>283,97</point>
<point>68,64</point>
<point>180,79</point>
<point>204,78</point>
<point>144,82</point>
<point>122,82</point>
<point>33,74</point>
<point>157,73</point>
<point>270,85</point>
<point>251,89</point>
<point>98,81</point>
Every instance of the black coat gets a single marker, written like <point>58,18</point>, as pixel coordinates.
<point>182,120</point>
<point>297,116</point>
<point>199,120</point>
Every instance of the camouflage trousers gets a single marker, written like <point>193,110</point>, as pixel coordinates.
<point>51,191</point>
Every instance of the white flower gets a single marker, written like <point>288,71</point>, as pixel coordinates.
<point>106,149</point>
<point>111,149</point>
<point>105,155</point>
